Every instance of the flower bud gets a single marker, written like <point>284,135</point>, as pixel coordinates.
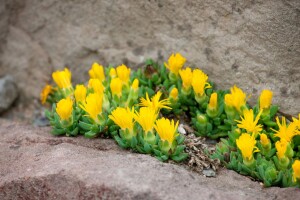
<point>174,94</point>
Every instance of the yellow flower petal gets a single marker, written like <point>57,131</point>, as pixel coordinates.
<point>123,117</point>
<point>281,146</point>
<point>123,73</point>
<point>249,123</point>
<point>112,73</point>
<point>96,85</point>
<point>174,93</point>
<point>264,140</point>
<point>97,72</point>
<point>213,101</point>
<point>166,129</point>
<point>146,118</point>
<point>296,170</point>
<point>246,143</point>
<point>265,99</point>
<point>116,87</point>
<point>64,108</point>
<point>135,84</point>
<point>62,78</point>
<point>236,99</point>
<point>175,63</point>
<point>93,105</point>
<point>45,92</point>
<point>154,103</point>
<point>286,132</point>
<point>199,82</point>
<point>186,77</point>
<point>80,93</point>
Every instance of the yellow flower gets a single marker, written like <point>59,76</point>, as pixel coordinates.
<point>265,99</point>
<point>123,73</point>
<point>246,143</point>
<point>213,101</point>
<point>93,105</point>
<point>297,121</point>
<point>154,103</point>
<point>96,85</point>
<point>286,132</point>
<point>249,123</point>
<point>123,117</point>
<point>236,99</point>
<point>166,129</point>
<point>175,63</point>
<point>146,118</point>
<point>112,73</point>
<point>80,93</point>
<point>97,72</point>
<point>296,170</point>
<point>186,77</point>
<point>116,87</point>
<point>62,78</point>
<point>135,84</point>
<point>45,92</point>
<point>264,140</point>
<point>174,93</point>
<point>281,148</point>
<point>64,108</point>
<point>199,82</point>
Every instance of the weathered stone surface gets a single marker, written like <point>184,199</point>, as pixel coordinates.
<point>36,165</point>
<point>254,44</point>
<point>8,92</point>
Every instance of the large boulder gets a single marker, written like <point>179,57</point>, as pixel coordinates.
<point>254,44</point>
<point>37,165</point>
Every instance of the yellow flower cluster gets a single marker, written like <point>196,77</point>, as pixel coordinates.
<point>194,78</point>
<point>146,117</point>
<point>91,99</point>
<point>111,96</point>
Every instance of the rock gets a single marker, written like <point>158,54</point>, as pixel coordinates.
<point>254,44</point>
<point>8,92</point>
<point>37,165</point>
<point>181,129</point>
<point>209,173</point>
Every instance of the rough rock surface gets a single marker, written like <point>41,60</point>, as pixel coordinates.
<point>254,44</point>
<point>36,165</point>
<point>8,92</point>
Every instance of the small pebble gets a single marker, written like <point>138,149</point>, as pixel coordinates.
<point>209,173</point>
<point>181,130</point>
